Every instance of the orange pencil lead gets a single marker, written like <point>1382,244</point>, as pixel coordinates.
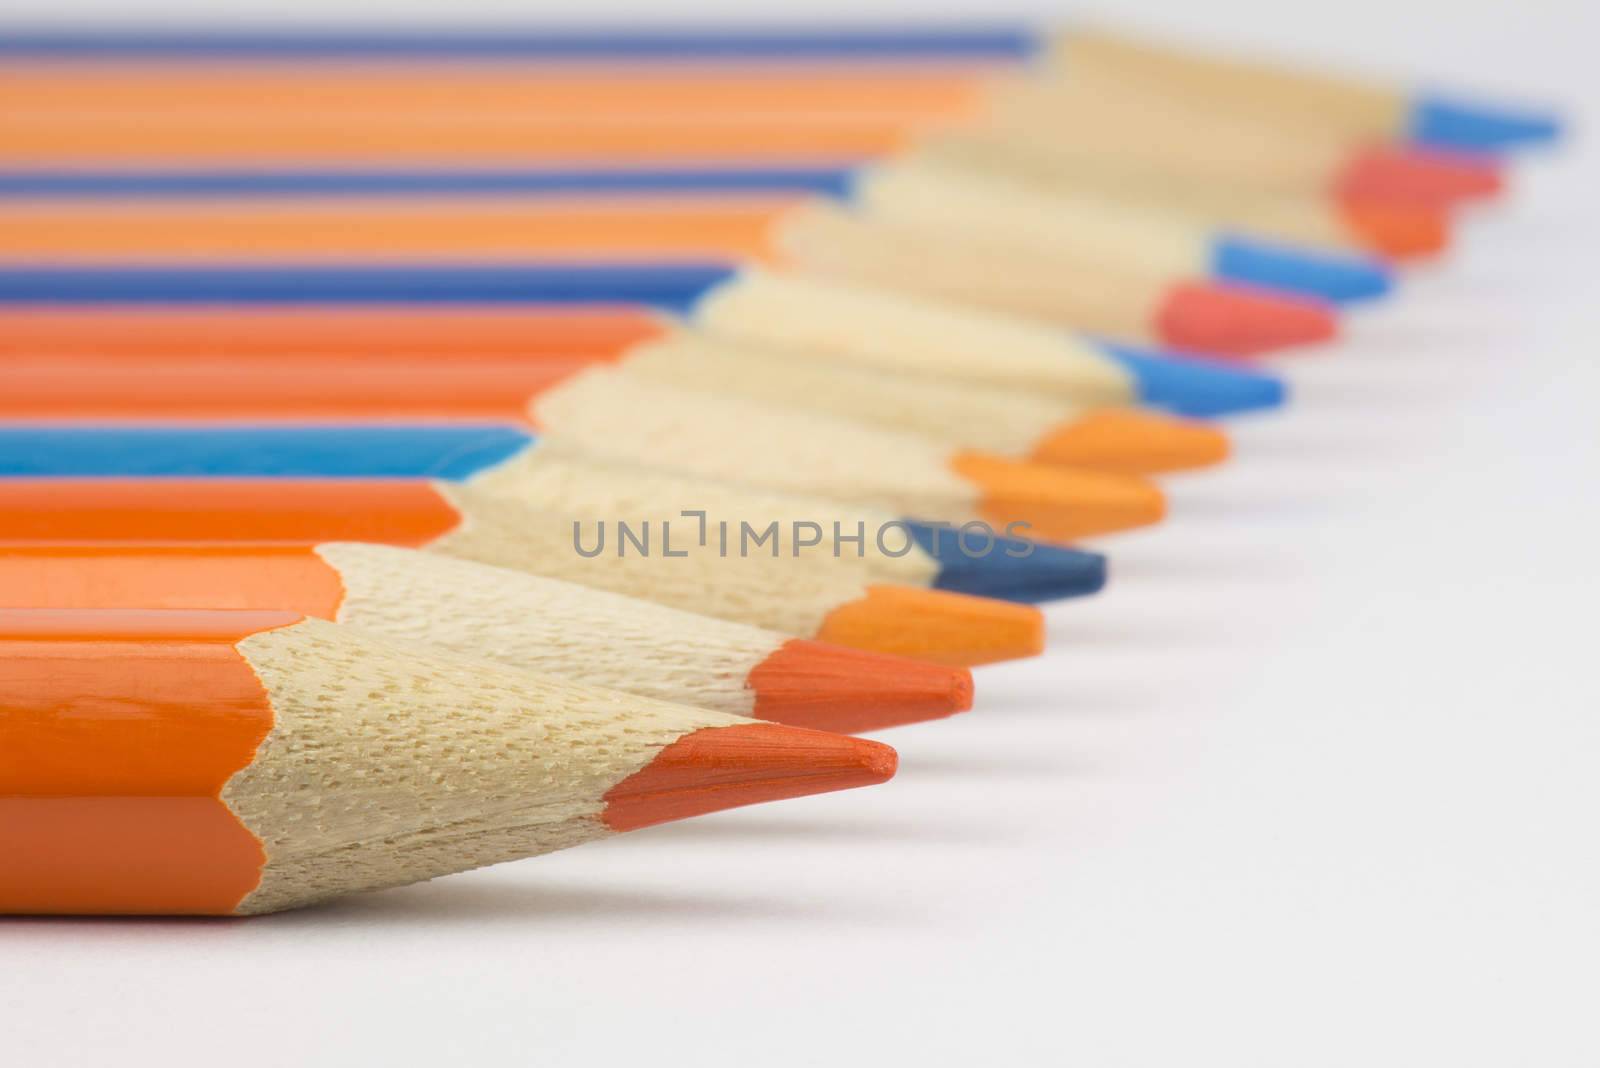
<point>947,628</point>
<point>727,767</point>
<point>1059,504</point>
<point>836,688</point>
<point>1132,442</point>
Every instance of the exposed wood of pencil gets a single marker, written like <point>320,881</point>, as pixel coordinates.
<point>279,761</point>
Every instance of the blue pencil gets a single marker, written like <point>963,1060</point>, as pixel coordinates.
<point>1011,568</point>
<point>763,310</point>
<point>873,192</point>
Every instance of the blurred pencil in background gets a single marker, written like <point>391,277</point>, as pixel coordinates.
<point>799,318</point>
<point>1089,109</point>
<point>1356,108</point>
<point>555,480</point>
<point>1002,421</point>
<point>947,217</point>
<point>1394,229</point>
<point>502,351</point>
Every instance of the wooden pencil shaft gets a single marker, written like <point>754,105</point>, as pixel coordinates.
<point>512,618</point>
<point>277,762</point>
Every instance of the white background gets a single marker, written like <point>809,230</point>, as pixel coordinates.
<point>1316,782</point>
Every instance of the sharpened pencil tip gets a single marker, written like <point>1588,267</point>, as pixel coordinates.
<point>1191,385</point>
<point>936,625</point>
<point>1443,122</point>
<point>1234,320</point>
<point>1132,442</point>
<point>835,688</point>
<point>743,764</point>
<point>1057,503</point>
<point>1397,231</point>
<point>1339,277</point>
<point>1419,175</point>
<point>1013,569</point>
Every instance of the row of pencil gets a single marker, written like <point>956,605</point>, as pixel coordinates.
<point>421,451</point>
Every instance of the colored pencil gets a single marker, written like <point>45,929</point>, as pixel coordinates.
<point>904,220</point>
<point>234,763</point>
<point>561,482</point>
<point>1009,423</point>
<point>1115,372</point>
<point>1350,107</point>
<point>1394,230</point>
<point>1084,115</point>
<point>1006,423</point>
<point>143,96</point>
<point>146,332</point>
<point>557,481</point>
<point>781,312</point>
<point>1359,109</point>
<point>1157,136</point>
<point>516,619</point>
<point>751,583</point>
<point>1189,148</point>
<point>617,417</point>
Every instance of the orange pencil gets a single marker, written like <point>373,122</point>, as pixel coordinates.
<point>232,763</point>
<point>144,332</point>
<point>105,111</point>
<point>1087,60</point>
<point>511,617</point>
<point>496,461</point>
<point>327,388</point>
<point>955,237</point>
<point>782,317</point>
<point>794,595</point>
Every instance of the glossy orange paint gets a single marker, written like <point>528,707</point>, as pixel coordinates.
<point>90,510</point>
<point>337,389</point>
<point>120,730</point>
<point>291,578</point>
